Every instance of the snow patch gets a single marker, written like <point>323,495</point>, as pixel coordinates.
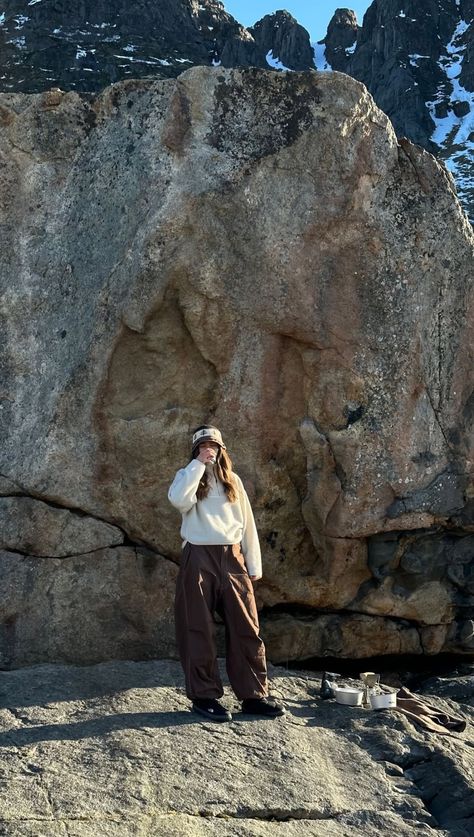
<point>275,62</point>
<point>451,64</point>
<point>319,50</point>
<point>351,49</point>
<point>153,62</point>
<point>2,20</point>
<point>19,42</point>
<point>414,58</point>
<point>453,133</point>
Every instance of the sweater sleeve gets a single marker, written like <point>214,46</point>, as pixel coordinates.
<point>250,542</point>
<point>182,491</point>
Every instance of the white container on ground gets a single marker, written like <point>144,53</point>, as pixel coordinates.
<point>348,696</point>
<point>385,701</point>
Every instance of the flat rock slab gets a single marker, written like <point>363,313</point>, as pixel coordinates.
<point>113,749</point>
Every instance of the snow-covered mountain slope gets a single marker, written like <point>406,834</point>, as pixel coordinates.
<point>452,111</point>
<point>417,60</point>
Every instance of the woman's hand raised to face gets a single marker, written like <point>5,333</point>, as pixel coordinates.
<point>207,453</point>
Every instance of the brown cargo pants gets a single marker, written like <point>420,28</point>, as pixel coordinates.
<point>215,579</point>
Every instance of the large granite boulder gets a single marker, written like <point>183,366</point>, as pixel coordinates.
<point>253,249</point>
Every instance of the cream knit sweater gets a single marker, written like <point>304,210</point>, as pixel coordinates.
<point>215,520</point>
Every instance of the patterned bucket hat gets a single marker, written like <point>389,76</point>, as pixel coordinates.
<point>207,434</point>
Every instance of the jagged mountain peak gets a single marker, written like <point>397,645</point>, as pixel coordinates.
<point>277,17</point>
<point>343,17</point>
<point>341,37</point>
<point>285,42</point>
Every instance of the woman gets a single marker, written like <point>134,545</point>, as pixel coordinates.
<point>220,559</point>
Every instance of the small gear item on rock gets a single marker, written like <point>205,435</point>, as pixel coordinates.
<point>328,685</point>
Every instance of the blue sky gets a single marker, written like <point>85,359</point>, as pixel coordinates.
<point>314,15</point>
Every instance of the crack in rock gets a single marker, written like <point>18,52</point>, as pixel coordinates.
<point>79,513</point>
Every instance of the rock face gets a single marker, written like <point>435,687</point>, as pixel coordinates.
<point>113,749</point>
<point>341,38</point>
<point>107,604</point>
<point>32,526</point>
<point>253,249</point>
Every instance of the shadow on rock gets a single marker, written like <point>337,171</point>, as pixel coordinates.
<point>59,683</point>
<point>96,727</point>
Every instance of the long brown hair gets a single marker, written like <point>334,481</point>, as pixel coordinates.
<point>223,472</point>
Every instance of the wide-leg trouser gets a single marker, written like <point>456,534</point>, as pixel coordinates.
<point>215,579</point>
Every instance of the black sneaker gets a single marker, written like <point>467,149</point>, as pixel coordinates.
<point>211,709</point>
<point>266,707</point>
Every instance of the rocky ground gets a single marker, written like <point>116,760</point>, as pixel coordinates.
<point>112,749</point>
